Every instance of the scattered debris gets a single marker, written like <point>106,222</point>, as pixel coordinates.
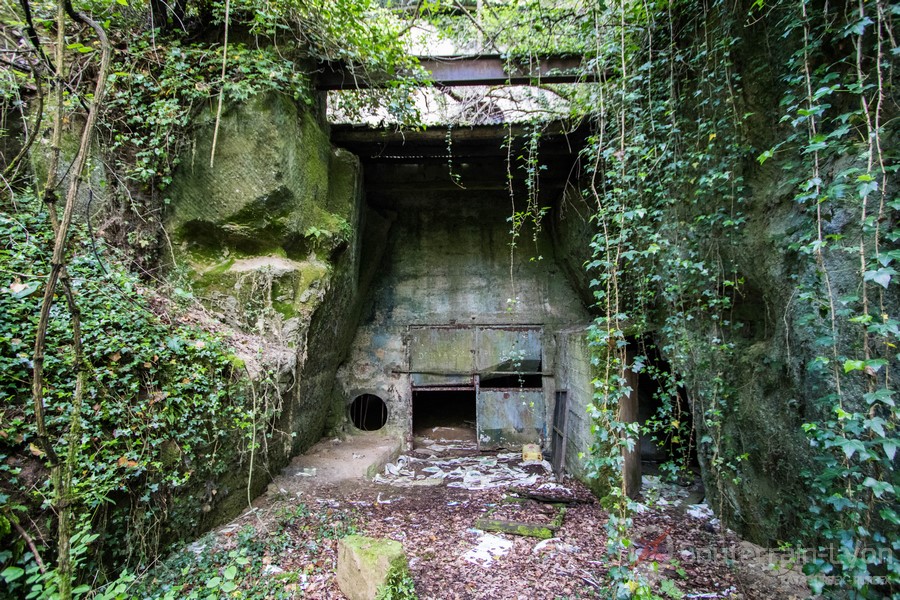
<point>489,548</point>
<point>724,594</point>
<point>553,544</point>
<point>468,472</point>
<point>438,498</point>
<point>700,511</point>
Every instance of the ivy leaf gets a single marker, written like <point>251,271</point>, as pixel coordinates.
<point>867,187</point>
<point>859,27</point>
<point>883,395</point>
<point>881,276</point>
<point>765,156</point>
<point>854,365</point>
<point>850,448</point>
<point>879,488</point>
<point>876,424</point>
<point>12,573</point>
<point>890,448</point>
<point>173,343</point>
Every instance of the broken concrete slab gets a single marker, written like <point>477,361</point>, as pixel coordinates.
<point>359,455</point>
<point>364,565</point>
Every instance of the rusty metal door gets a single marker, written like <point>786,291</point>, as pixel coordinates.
<point>508,349</point>
<point>509,418</point>
<point>559,435</point>
<point>441,356</point>
<point>455,357</point>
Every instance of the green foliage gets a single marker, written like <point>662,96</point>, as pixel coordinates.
<point>158,88</point>
<point>164,409</point>
<point>833,152</point>
<point>672,147</point>
<point>517,29</point>
<point>161,82</point>
<point>670,151</point>
<point>213,568</point>
<point>665,174</point>
<point>399,585</point>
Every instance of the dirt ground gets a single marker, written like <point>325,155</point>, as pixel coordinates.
<point>430,500</point>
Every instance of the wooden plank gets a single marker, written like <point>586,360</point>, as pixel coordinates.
<point>544,532</point>
<point>628,413</point>
<point>560,434</point>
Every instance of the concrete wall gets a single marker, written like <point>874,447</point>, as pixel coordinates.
<point>447,262</point>
<point>574,374</point>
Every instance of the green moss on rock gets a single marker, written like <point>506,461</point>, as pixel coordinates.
<point>366,564</point>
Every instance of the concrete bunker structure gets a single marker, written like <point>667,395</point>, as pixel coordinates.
<point>458,326</point>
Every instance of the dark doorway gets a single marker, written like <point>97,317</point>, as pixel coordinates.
<point>453,408</point>
<point>667,433</point>
<point>368,412</point>
<point>445,417</point>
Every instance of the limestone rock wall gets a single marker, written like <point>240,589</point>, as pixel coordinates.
<point>266,237</point>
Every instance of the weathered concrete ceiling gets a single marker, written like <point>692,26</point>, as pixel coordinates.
<point>470,158</point>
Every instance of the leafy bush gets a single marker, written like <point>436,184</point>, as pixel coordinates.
<point>163,410</point>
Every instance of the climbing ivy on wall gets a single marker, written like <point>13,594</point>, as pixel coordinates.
<point>671,153</point>
<point>665,178</point>
<point>837,102</point>
<point>165,410</point>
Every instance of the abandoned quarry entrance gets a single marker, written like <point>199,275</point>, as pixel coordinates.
<point>468,325</point>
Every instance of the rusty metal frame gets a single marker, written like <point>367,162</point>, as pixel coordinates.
<point>476,376</point>
<point>461,70</point>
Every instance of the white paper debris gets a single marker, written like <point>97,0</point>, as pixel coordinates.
<point>489,548</point>
<point>468,472</point>
<point>700,511</point>
<point>553,544</point>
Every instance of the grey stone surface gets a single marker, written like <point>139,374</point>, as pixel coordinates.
<point>364,564</point>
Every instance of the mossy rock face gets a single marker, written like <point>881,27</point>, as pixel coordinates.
<point>260,229</point>
<point>267,189</point>
<point>269,295</point>
<point>267,239</point>
<point>365,564</point>
<point>93,193</point>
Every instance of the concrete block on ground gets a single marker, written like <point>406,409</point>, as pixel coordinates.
<point>365,563</point>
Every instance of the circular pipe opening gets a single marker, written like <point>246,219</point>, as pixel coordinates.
<point>368,412</point>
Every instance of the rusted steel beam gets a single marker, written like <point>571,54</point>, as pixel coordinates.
<point>471,70</point>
